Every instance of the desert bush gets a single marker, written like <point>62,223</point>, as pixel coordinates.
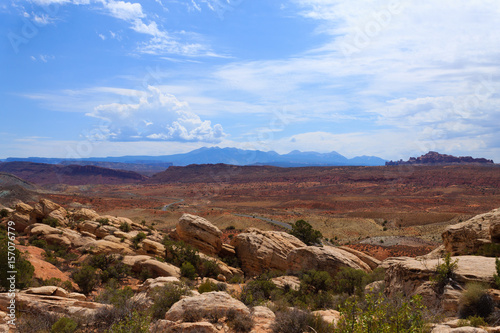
<point>239,322</point>
<point>114,295</point>
<point>236,279</point>
<point>207,286</point>
<point>24,269</point>
<point>315,281</point>
<point>86,278</point>
<point>208,268</point>
<point>474,321</point>
<point>137,239</point>
<point>137,323</point>
<point>125,227</point>
<point>54,223</point>
<point>191,315</point>
<point>110,266</point>
<point>298,321</point>
<point>305,232</point>
<point>35,321</point>
<point>188,270</point>
<point>489,250</point>
<point>378,314</point>
<point>349,280</point>
<point>475,301</point>
<point>177,253</point>
<point>378,274</point>
<point>4,213</point>
<point>164,297</point>
<point>64,325</point>
<point>444,273</point>
<point>103,221</point>
<point>257,291</point>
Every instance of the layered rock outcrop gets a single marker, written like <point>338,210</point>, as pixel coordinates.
<point>326,258</point>
<point>200,233</point>
<point>260,251</point>
<point>467,237</point>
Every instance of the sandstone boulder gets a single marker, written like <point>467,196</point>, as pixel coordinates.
<point>225,269</point>
<point>157,282</point>
<point>62,305</point>
<point>83,214</point>
<point>373,263</point>
<point>405,275</point>
<point>326,258</point>
<point>45,209</point>
<point>157,268</point>
<point>152,247</point>
<point>106,247</point>
<point>466,237</point>
<point>21,216</point>
<point>260,251</point>
<point>263,319</point>
<point>282,282</point>
<point>213,301</point>
<point>200,233</point>
<point>328,316</point>
<point>48,290</point>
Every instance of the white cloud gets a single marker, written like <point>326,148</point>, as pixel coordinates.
<point>102,36</point>
<point>42,19</point>
<point>156,116</point>
<point>126,11</point>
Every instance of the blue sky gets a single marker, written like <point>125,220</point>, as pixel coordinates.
<point>82,78</point>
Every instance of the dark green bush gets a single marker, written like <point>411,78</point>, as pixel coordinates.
<point>305,232</point>
<point>137,239</point>
<point>475,301</point>
<point>103,221</point>
<point>4,213</point>
<point>125,227</point>
<point>256,292</point>
<point>445,273</point>
<point>299,321</point>
<point>188,270</point>
<point>110,266</point>
<point>86,278</point>
<point>208,268</point>
<point>115,295</point>
<point>314,281</point>
<point>474,321</point>
<point>207,286</point>
<point>51,222</point>
<point>164,297</point>
<point>64,325</point>
<point>349,280</point>
<point>489,250</point>
<point>496,276</point>
<point>136,323</point>
<point>177,253</point>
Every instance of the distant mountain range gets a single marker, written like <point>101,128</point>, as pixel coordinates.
<point>214,155</point>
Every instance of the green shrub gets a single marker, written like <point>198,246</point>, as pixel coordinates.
<point>489,250</point>
<point>475,301</point>
<point>35,321</point>
<point>298,321</point>
<point>177,253</point>
<point>305,232</point>
<point>86,278</point>
<point>474,321</point>
<point>115,295</point>
<point>239,322</point>
<point>103,221</point>
<point>256,292</point>
<point>236,279</point>
<point>24,269</point>
<point>231,227</point>
<point>207,286</point>
<point>188,270</point>
<point>378,314</point>
<point>164,297</point>
<point>136,323</point>
<point>349,280</point>
<point>314,281</point>
<point>444,273</point>
<point>137,239</point>
<point>192,315</point>
<point>51,222</point>
<point>125,227</point>
<point>208,268</point>
<point>64,325</point>
<point>110,266</point>
<point>4,213</point>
